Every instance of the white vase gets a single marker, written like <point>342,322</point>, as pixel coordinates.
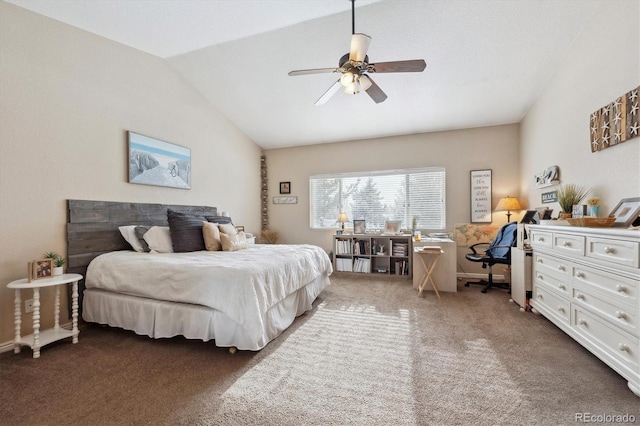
<point>57,270</point>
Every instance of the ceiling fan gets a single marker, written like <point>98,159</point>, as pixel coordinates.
<point>356,69</point>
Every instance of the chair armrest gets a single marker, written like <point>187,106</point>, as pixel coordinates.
<point>473,247</point>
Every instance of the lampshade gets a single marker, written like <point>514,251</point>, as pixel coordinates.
<point>342,218</point>
<point>507,204</point>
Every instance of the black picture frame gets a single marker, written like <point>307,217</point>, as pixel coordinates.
<point>285,187</point>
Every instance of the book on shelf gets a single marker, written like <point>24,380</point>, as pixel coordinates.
<point>361,264</point>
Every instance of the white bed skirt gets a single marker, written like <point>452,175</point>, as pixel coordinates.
<point>161,319</point>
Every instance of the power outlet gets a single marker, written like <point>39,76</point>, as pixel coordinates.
<point>28,305</point>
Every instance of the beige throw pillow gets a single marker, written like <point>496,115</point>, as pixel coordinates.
<point>159,239</point>
<point>233,242</point>
<point>211,236</point>
<point>227,228</point>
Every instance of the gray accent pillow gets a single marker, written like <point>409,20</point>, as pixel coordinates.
<point>186,231</point>
<point>219,219</point>
<point>140,231</point>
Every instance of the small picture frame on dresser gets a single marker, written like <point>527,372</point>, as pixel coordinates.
<point>626,212</point>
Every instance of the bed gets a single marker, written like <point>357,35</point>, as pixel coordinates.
<point>241,299</point>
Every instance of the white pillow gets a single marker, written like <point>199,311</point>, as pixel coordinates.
<point>159,239</point>
<point>129,234</point>
<point>233,242</point>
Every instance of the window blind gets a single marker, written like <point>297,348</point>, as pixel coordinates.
<point>379,196</point>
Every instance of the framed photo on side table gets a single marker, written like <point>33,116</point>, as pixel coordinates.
<point>626,212</point>
<point>359,226</point>
<point>392,227</point>
<point>41,268</point>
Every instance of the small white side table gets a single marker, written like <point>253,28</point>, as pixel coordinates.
<point>39,339</point>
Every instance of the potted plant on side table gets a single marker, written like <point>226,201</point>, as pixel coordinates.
<point>569,195</point>
<point>58,262</point>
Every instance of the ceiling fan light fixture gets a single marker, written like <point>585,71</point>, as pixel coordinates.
<point>365,82</point>
<point>353,88</point>
<point>347,79</point>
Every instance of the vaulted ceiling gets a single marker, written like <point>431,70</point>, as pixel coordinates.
<point>487,60</point>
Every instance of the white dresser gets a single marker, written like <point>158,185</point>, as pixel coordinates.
<point>587,282</point>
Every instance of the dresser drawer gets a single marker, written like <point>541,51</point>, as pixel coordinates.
<point>550,265</point>
<point>621,315</point>
<point>616,251</point>
<point>569,244</point>
<point>619,344</point>
<point>561,286</point>
<point>621,289</point>
<point>550,303</point>
<point>541,239</point>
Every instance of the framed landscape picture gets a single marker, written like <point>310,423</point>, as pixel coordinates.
<point>156,162</point>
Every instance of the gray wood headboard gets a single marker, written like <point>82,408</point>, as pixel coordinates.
<point>92,227</point>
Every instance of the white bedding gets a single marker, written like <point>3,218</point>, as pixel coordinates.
<point>243,284</point>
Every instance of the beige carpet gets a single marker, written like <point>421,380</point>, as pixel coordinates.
<point>371,353</point>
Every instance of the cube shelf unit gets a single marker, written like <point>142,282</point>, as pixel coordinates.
<point>373,253</point>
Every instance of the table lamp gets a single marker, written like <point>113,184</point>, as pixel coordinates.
<point>507,204</point>
<point>342,218</point>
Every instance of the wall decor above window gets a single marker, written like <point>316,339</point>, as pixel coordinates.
<point>617,122</point>
<point>155,162</point>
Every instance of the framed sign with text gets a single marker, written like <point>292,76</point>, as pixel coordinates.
<point>481,196</point>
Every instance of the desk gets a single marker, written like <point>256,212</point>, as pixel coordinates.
<point>39,339</point>
<point>444,273</point>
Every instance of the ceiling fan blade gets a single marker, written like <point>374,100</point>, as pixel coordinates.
<point>374,90</point>
<point>359,46</point>
<point>329,93</point>
<point>312,71</point>
<point>415,65</point>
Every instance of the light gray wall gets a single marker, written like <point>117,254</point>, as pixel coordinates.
<point>66,99</point>
<point>602,65</point>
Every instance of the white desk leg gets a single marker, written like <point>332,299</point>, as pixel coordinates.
<point>74,311</point>
<point>36,323</point>
<point>56,311</point>
<point>18,322</point>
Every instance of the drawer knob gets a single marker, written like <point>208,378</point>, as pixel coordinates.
<point>540,277</point>
<point>620,288</point>
<point>539,296</point>
<point>560,267</point>
<point>609,250</point>
<point>539,260</point>
<point>620,314</point>
<point>566,244</point>
<point>580,295</point>
<point>580,275</point>
<point>540,238</point>
<point>561,287</point>
<point>623,347</point>
<point>560,309</point>
<point>582,322</point>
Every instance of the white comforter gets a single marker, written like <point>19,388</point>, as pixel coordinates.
<point>242,284</point>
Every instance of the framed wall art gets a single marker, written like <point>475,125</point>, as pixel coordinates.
<point>159,163</point>
<point>285,187</point>
<point>481,196</point>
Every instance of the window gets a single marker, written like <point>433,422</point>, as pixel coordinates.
<point>380,196</point>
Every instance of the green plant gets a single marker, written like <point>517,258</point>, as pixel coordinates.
<point>571,194</point>
<point>57,259</point>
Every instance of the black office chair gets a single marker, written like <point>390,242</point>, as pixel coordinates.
<point>498,252</point>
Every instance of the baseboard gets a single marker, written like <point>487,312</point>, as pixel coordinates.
<point>8,346</point>
<point>473,276</point>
